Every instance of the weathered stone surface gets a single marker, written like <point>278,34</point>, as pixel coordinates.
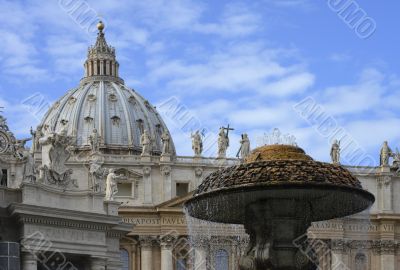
<point>267,166</point>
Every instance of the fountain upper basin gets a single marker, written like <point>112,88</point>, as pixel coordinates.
<point>279,172</point>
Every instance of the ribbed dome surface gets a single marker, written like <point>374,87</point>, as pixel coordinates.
<point>118,113</point>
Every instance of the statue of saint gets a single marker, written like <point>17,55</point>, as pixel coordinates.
<point>335,152</point>
<point>111,185</point>
<point>166,140</point>
<point>30,168</point>
<point>145,141</point>
<point>94,140</point>
<point>386,152</point>
<point>97,174</point>
<point>223,143</point>
<point>19,148</point>
<point>244,146</point>
<point>197,143</point>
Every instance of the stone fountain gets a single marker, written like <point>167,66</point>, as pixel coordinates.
<point>276,193</point>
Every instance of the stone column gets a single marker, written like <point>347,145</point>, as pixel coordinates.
<point>386,250</point>
<point>133,256</point>
<point>108,68</point>
<point>200,255</point>
<point>95,68</point>
<point>97,263</point>
<point>167,244</point>
<point>146,253</point>
<point>167,182</point>
<point>147,182</point>
<point>340,250</point>
<point>385,193</point>
<point>112,68</point>
<point>28,261</point>
<point>90,71</point>
<point>101,67</point>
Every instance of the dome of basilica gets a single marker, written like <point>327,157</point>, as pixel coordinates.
<point>103,104</point>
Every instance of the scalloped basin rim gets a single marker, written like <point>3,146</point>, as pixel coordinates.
<point>328,200</point>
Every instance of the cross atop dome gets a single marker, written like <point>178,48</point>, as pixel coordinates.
<point>101,62</point>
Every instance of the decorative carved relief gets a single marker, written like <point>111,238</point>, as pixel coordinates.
<point>198,171</point>
<point>168,241</point>
<point>147,240</point>
<point>146,171</point>
<point>384,180</point>
<point>57,152</point>
<point>339,245</point>
<point>166,170</point>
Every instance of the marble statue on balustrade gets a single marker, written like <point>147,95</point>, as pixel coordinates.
<point>56,150</point>
<point>197,143</point>
<point>97,173</point>
<point>36,135</point>
<point>18,148</point>
<point>146,143</point>
<point>166,141</point>
<point>244,146</point>
<point>94,140</point>
<point>223,142</point>
<point>111,185</point>
<point>335,152</point>
<point>29,168</point>
<point>385,154</point>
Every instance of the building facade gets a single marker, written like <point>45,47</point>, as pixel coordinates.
<point>102,187</point>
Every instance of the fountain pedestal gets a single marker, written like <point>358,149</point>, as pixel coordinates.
<point>273,225</point>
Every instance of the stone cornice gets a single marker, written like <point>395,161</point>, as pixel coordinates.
<point>26,219</point>
<point>96,78</point>
<point>23,210</point>
<point>377,246</point>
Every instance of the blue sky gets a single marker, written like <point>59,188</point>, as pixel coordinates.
<point>246,63</point>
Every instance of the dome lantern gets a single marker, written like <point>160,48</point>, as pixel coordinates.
<point>101,62</point>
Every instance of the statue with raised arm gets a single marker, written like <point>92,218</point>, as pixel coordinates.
<point>166,140</point>
<point>223,143</point>
<point>94,140</point>
<point>385,154</point>
<point>335,152</point>
<point>145,141</point>
<point>244,146</point>
<point>111,185</point>
<point>197,143</point>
